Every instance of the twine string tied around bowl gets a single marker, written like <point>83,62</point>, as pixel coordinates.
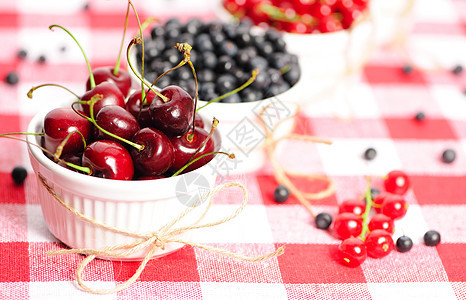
<point>153,241</point>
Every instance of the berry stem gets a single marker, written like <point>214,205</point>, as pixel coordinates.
<point>365,215</point>
<point>116,70</point>
<point>60,147</point>
<point>143,92</point>
<point>91,76</point>
<point>86,170</point>
<point>231,156</point>
<point>242,87</point>
<point>214,126</point>
<point>137,40</point>
<point>29,94</point>
<point>91,119</point>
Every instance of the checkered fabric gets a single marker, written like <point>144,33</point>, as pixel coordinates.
<point>378,112</point>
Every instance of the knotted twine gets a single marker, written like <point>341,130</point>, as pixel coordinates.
<point>155,240</point>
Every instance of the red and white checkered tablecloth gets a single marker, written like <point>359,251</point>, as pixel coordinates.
<point>381,106</point>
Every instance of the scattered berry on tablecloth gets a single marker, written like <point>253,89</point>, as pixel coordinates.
<point>381,221</point>
<point>448,156</point>
<point>281,194</point>
<point>323,220</point>
<point>420,116</point>
<point>370,153</point>
<point>12,78</point>
<point>404,243</point>
<point>379,243</point>
<point>347,225</point>
<point>19,174</point>
<point>394,206</point>
<point>457,70</point>
<point>22,53</point>
<point>355,206</point>
<point>407,69</point>
<point>352,252</point>
<point>432,238</point>
<point>396,182</point>
<point>42,59</point>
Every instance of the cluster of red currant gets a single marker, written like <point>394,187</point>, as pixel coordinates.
<point>365,232</point>
<point>299,16</point>
<point>114,132</point>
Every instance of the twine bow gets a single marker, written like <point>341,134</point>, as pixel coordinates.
<point>153,241</point>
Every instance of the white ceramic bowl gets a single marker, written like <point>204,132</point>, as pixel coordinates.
<point>136,206</point>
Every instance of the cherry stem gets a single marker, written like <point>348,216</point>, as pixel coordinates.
<point>242,87</point>
<point>91,119</point>
<point>147,22</point>
<point>59,150</point>
<point>365,215</point>
<point>143,92</point>
<point>116,70</point>
<point>231,156</point>
<point>91,76</point>
<point>214,126</point>
<point>86,170</point>
<point>137,40</point>
<point>196,95</point>
<point>29,94</point>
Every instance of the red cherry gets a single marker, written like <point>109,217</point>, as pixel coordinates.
<point>356,207</point>
<point>111,96</point>
<point>158,154</point>
<point>381,221</point>
<point>235,7</point>
<point>352,252</point>
<point>60,122</point>
<point>116,120</point>
<point>175,116</point>
<point>108,159</point>
<point>396,182</point>
<point>184,149</point>
<point>379,243</point>
<point>142,114</point>
<point>347,225</point>
<point>122,80</point>
<point>394,207</point>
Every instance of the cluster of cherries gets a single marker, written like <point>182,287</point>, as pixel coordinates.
<point>299,16</point>
<point>366,232</point>
<point>113,131</point>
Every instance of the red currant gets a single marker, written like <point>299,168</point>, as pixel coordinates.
<point>352,252</point>
<point>377,201</point>
<point>347,225</point>
<point>356,207</point>
<point>394,207</point>
<point>381,221</point>
<point>396,182</point>
<point>379,243</point>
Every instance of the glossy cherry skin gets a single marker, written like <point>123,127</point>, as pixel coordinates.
<point>352,252</point>
<point>355,206</point>
<point>174,117</point>
<point>108,159</point>
<point>347,225</point>
<point>184,149</point>
<point>142,114</point>
<point>73,158</point>
<point>116,120</point>
<point>110,93</point>
<point>158,154</point>
<point>58,123</point>
<point>379,243</point>
<point>122,80</point>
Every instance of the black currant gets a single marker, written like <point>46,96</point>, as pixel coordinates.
<point>370,153</point>
<point>281,194</point>
<point>457,70</point>
<point>432,238</point>
<point>19,174</point>
<point>404,243</point>
<point>42,59</point>
<point>448,156</point>
<point>407,69</point>
<point>22,54</point>
<point>12,78</point>
<point>420,116</point>
<point>323,220</point>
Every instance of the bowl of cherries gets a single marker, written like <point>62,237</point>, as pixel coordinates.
<point>120,163</point>
<point>331,37</point>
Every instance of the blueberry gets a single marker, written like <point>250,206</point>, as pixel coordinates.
<point>206,75</point>
<point>407,69</point>
<point>203,43</point>
<point>404,244</point>
<point>12,78</point>
<point>228,48</point>
<point>19,174</point>
<point>224,64</point>
<point>251,95</point>
<point>157,31</point>
<point>448,156</point>
<point>209,60</point>
<point>420,116</point>
<point>281,194</point>
<point>323,220</point>
<point>42,59</point>
<point>258,62</point>
<point>234,98</point>
<point>225,83</point>
<point>370,154</point>
<point>292,75</point>
<point>22,54</point>
<point>432,238</point>
<point>193,26</point>
<point>172,56</point>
